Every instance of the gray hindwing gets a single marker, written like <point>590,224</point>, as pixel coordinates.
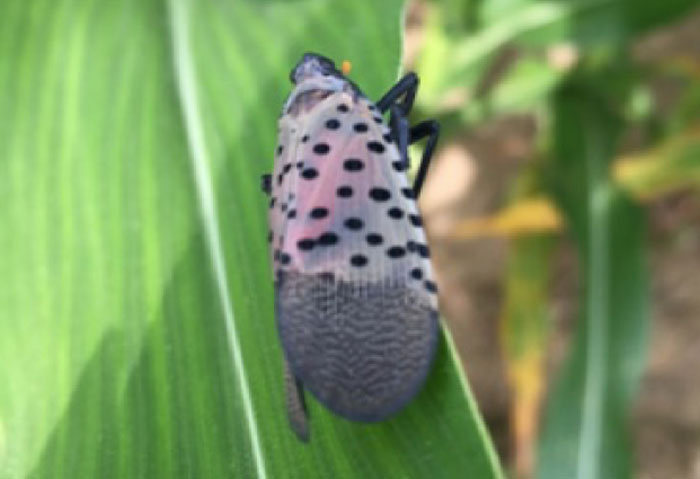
<point>362,349</point>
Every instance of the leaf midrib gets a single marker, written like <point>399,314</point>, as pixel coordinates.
<point>186,85</point>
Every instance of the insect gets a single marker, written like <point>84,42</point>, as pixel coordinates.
<point>355,302</point>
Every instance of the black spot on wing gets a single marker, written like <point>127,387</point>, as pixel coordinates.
<point>396,252</point>
<point>379,194</point>
<point>319,212</point>
<point>344,191</point>
<point>354,223</point>
<point>374,239</point>
<point>306,244</point>
<point>399,165</point>
<point>321,148</point>
<point>360,127</point>
<point>309,173</point>
<point>353,164</point>
<point>328,238</point>
<point>395,213</point>
<point>358,260</point>
<point>430,286</point>
<point>333,124</point>
<point>375,146</point>
<point>415,220</point>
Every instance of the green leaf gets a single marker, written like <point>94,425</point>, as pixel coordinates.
<point>524,330</point>
<point>460,61</point>
<point>583,22</point>
<point>585,432</point>
<point>521,90</point>
<point>671,166</point>
<point>137,336</point>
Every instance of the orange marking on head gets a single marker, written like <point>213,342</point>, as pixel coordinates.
<point>345,67</point>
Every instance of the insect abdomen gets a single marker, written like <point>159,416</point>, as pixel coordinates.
<point>363,349</point>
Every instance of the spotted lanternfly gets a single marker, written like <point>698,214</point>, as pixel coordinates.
<point>355,301</point>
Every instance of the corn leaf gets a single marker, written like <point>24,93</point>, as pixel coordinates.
<point>137,336</point>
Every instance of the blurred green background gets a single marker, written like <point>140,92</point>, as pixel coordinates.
<point>565,205</point>
<point>137,336</point>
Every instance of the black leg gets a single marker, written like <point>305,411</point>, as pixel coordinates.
<point>266,184</point>
<point>407,86</point>
<point>404,136</point>
<point>398,124</point>
<point>296,407</point>
<point>400,131</point>
<point>431,129</point>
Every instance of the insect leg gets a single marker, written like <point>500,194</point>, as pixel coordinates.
<point>407,86</point>
<point>398,124</point>
<point>431,129</point>
<point>296,407</point>
<point>266,183</point>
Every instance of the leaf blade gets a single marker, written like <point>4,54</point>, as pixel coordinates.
<point>113,307</point>
<point>585,433</point>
